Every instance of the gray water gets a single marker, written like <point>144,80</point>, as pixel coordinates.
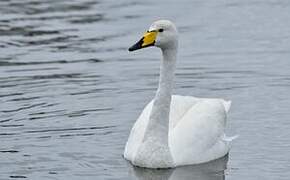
<point>70,91</point>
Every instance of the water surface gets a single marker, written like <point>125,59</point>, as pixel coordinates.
<point>70,92</point>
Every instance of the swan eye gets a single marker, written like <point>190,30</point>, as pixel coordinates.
<point>160,30</point>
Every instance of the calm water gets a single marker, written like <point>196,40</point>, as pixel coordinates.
<point>70,91</point>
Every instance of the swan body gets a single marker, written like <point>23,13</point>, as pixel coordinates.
<point>175,130</point>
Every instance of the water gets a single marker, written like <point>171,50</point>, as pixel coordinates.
<point>70,91</point>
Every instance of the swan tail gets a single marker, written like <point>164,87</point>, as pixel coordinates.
<point>229,138</point>
<point>227,105</point>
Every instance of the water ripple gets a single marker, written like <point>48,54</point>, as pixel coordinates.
<point>70,91</point>
<point>68,129</point>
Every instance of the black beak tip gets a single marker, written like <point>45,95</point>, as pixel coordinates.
<point>136,46</point>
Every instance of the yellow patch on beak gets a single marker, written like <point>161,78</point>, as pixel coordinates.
<point>149,38</point>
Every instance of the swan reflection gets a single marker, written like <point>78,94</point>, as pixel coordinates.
<point>213,170</point>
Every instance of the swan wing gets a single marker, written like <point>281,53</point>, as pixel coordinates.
<point>198,135</point>
<point>179,107</point>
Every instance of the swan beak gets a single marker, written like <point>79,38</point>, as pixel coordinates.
<point>147,40</point>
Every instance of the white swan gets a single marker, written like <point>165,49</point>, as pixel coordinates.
<point>175,130</point>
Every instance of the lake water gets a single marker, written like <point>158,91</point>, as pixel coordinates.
<point>70,91</point>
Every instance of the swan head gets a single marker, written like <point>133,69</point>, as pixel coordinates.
<point>162,34</point>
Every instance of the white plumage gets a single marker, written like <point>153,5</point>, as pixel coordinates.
<point>176,130</point>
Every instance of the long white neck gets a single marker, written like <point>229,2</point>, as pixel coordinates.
<point>158,124</point>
